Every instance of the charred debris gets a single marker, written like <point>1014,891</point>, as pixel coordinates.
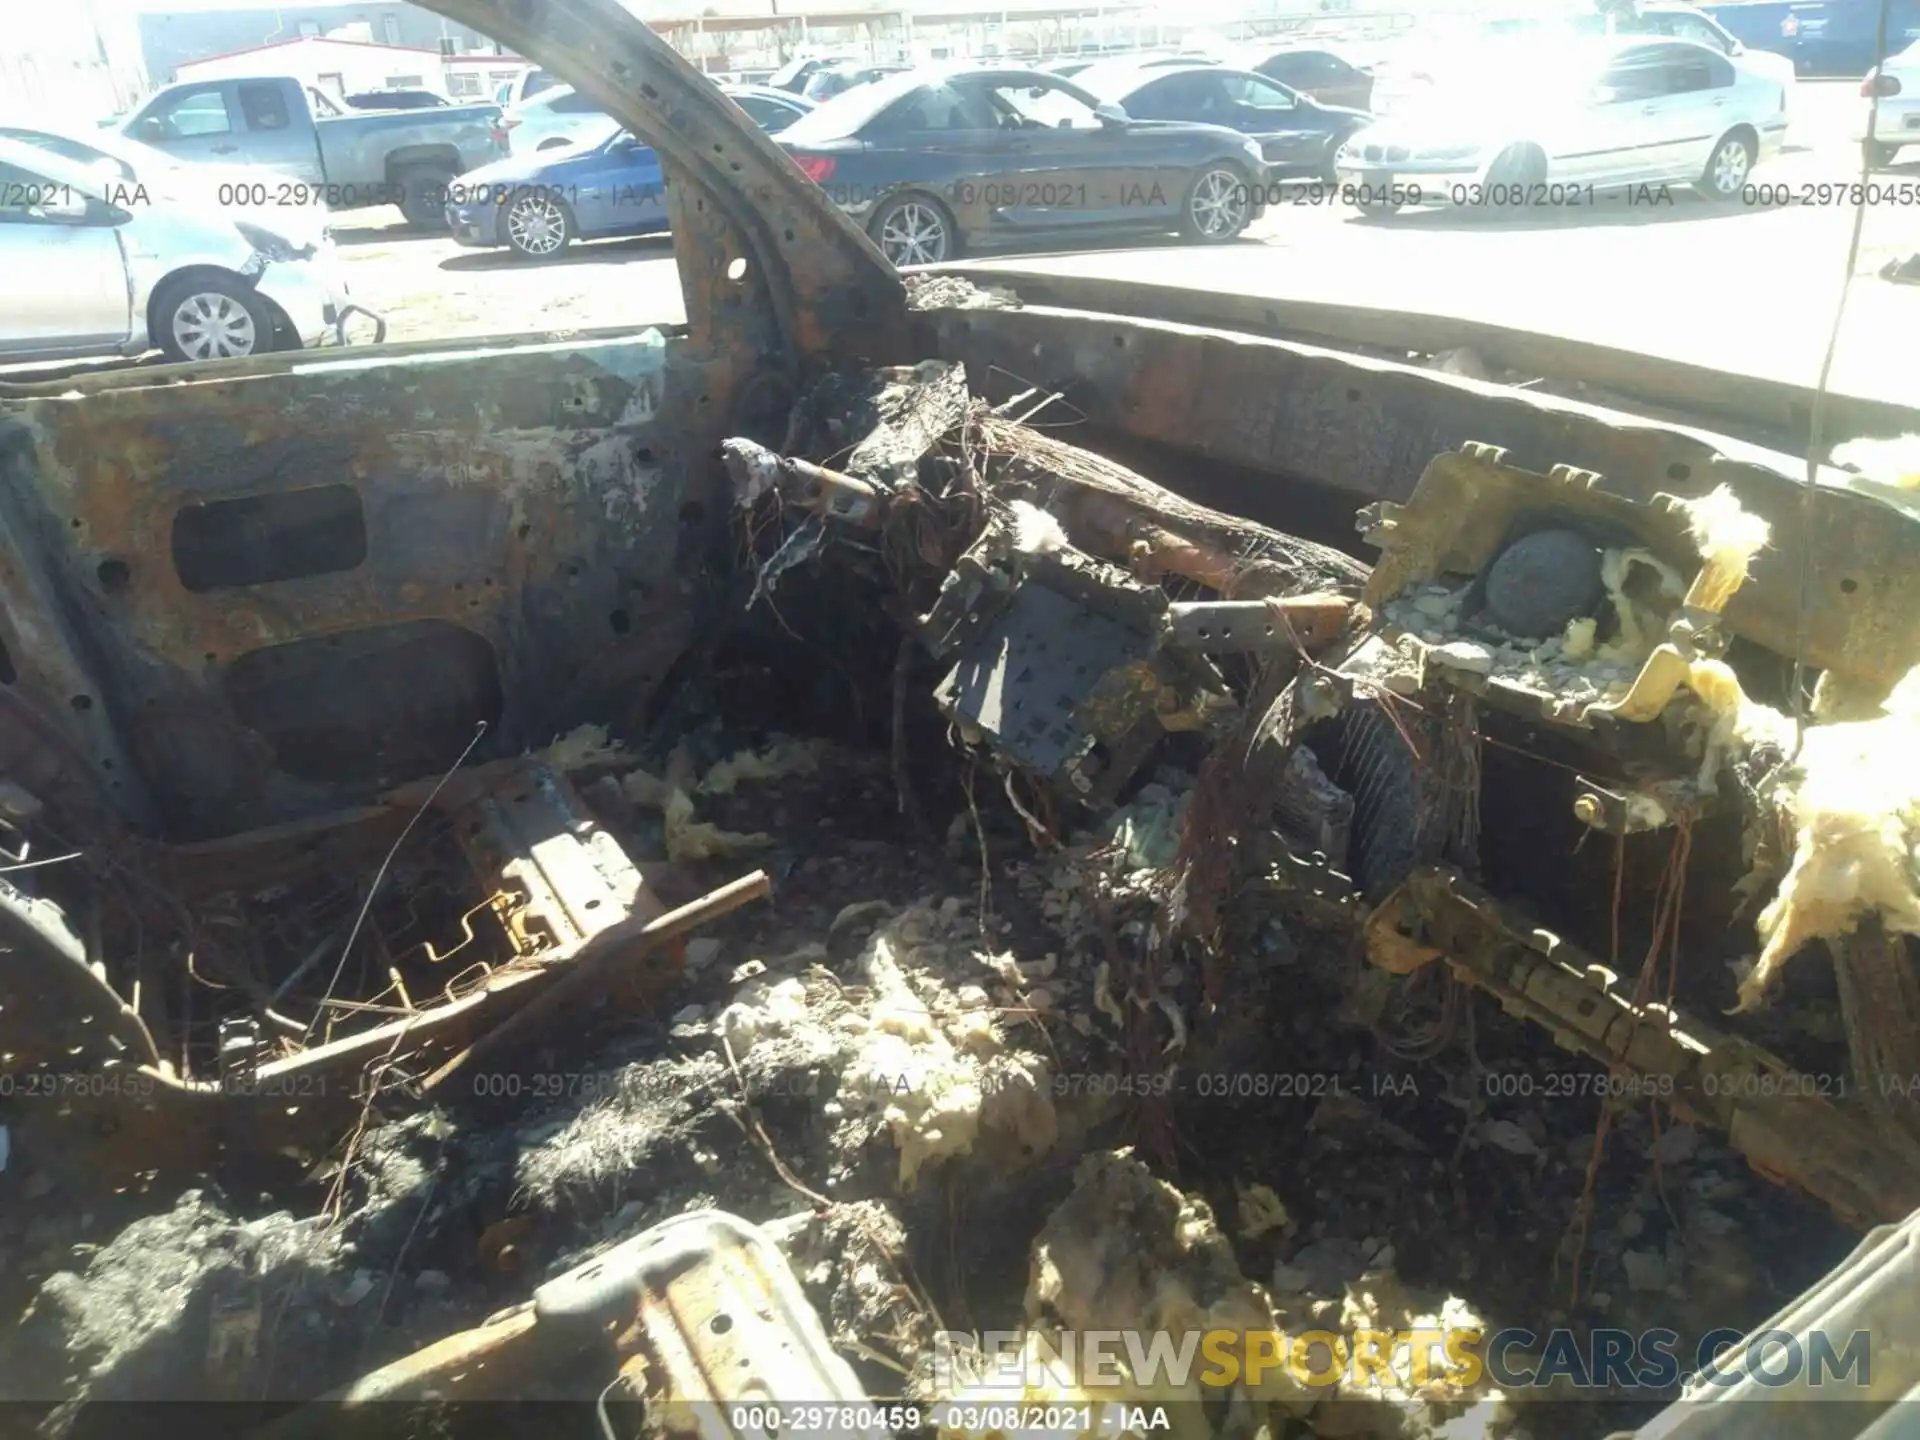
<point>1039,865</point>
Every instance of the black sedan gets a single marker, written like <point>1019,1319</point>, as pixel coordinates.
<point>1298,135</point>
<point>1326,75</point>
<point>940,159</point>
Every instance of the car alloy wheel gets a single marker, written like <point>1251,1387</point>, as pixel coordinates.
<point>914,233</point>
<point>536,226</point>
<point>1731,164</point>
<point>1219,205</point>
<point>210,326</point>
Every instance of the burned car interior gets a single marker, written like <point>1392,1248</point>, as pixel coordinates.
<point>495,832</point>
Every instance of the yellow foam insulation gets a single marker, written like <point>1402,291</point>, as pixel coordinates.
<point>1893,462</point>
<point>913,1047</point>
<point>931,1059</point>
<point>583,748</point>
<point>1578,644</point>
<point>1853,797</point>
<point>692,839</point>
<point>1129,1252</point>
<point>1260,1211</point>
<point>1380,1300</point>
<point>1728,536</point>
<point>1035,531</point>
<point>776,762</point>
<point>1737,724</point>
<point>687,838</point>
<point>1644,590</point>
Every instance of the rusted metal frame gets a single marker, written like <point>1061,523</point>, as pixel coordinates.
<point>812,259</point>
<point>539,437</point>
<point>1784,1122</point>
<point>1371,426</point>
<point>55,673</point>
<point>1773,408</point>
<point>1241,627</point>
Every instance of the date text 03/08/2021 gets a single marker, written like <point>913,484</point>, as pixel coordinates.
<point>847,1422</point>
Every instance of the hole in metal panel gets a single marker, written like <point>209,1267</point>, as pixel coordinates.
<point>389,702</point>
<point>258,539</point>
<point>114,576</point>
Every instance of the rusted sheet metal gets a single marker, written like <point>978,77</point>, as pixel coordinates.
<point>774,274</point>
<point>239,592</point>
<point>695,1316</point>
<point>1369,427</point>
<point>1742,403</point>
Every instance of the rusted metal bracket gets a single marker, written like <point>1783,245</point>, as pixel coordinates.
<point>1792,1128</point>
<point>563,878</point>
<point>774,275</point>
<point>690,1319</point>
<point>1237,627</point>
<point>571,903</point>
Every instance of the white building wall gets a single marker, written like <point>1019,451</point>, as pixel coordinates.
<point>63,63</point>
<point>334,66</point>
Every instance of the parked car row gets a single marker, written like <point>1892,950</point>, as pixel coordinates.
<point>951,157</point>
<point>227,252</point>
<point>1543,126</point>
<point>943,159</point>
<point>537,204</point>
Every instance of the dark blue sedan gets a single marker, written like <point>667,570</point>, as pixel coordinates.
<point>537,205</point>
<point>1298,135</point>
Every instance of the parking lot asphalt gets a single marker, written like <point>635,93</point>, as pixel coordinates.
<point>1750,286</point>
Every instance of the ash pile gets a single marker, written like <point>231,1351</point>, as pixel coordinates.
<point>1050,906</point>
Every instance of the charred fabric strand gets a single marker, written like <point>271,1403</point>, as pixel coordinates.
<point>1112,511</point>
